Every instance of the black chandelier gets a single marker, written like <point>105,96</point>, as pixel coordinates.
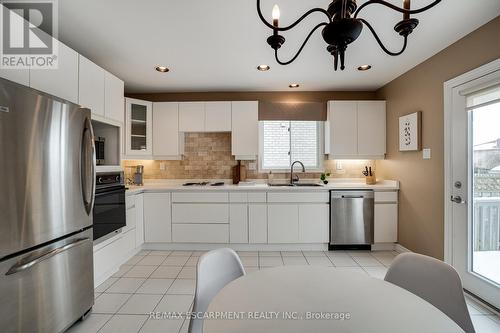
<point>343,27</point>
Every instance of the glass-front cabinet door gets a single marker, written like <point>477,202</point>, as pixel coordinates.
<point>139,128</point>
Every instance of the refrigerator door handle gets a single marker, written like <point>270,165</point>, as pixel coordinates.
<point>19,267</point>
<point>88,166</point>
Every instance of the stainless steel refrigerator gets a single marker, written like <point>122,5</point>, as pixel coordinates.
<point>47,185</point>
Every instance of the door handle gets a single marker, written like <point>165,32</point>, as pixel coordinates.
<point>458,199</point>
<point>88,166</point>
<point>19,267</point>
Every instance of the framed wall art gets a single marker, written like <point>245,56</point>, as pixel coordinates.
<point>410,132</point>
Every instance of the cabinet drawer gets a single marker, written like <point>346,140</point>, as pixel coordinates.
<point>306,197</point>
<point>200,213</point>
<point>238,197</point>
<point>257,197</point>
<point>200,233</point>
<point>200,197</point>
<point>386,196</point>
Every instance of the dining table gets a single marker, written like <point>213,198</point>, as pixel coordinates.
<point>320,299</point>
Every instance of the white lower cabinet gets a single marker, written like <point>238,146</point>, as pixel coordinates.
<point>314,223</point>
<point>386,223</point>
<point>238,223</point>
<point>200,233</point>
<point>283,223</point>
<point>386,217</point>
<point>139,219</point>
<point>246,217</point>
<point>257,223</point>
<point>157,218</point>
<point>130,216</point>
<point>108,258</point>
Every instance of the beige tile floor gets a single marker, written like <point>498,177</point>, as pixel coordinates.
<point>164,281</point>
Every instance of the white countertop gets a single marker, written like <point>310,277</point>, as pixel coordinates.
<point>260,185</point>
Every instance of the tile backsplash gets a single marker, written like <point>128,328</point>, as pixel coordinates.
<point>208,156</point>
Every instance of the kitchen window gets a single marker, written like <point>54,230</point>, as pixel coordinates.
<point>282,142</point>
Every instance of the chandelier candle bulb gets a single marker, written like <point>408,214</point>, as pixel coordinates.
<point>406,5</point>
<point>276,15</point>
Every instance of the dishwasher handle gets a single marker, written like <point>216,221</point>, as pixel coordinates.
<point>352,194</point>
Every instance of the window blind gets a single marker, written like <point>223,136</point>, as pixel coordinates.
<point>483,97</point>
<point>310,111</point>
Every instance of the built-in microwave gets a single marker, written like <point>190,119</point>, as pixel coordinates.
<point>99,150</point>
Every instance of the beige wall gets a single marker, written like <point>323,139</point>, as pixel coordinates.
<point>421,210</point>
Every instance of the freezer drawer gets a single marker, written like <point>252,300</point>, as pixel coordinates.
<point>351,217</point>
<point>48,289</point>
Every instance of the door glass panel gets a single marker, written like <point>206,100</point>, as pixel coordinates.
<point>138,127</point>
<point>485,247</point>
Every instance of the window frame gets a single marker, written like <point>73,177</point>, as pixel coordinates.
<point>320,152</point>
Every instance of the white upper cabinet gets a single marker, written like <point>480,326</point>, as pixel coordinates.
<point>218,116</point>
<point>91,86</point>
<point>343,135</point>
<point>356,130</point>
<point>61,82</point>
<point>205,116</point>
<point>371,128</point>
<point>168,143</point>
<point>114,100</point>
<point>192,116</point>
<point>21,76</point>
<point>245,130</point>
<point>139,126</point>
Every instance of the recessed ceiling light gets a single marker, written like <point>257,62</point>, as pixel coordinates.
<point>294,85</point>
<point>263,68</point>
<point>162,69</point>
<point>364,67</point>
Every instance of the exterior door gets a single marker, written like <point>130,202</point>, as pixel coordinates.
<point>475,185</point>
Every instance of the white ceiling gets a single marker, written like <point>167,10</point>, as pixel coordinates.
<point>215,45</point>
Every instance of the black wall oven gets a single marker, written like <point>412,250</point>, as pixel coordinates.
<point>109,207</point>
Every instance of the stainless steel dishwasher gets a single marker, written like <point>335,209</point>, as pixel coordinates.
<point>351,219</point>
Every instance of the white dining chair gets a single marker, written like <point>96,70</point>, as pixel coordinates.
<point>215,269</point>
<point>433,280</point>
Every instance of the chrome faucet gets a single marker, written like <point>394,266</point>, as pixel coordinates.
<point>296,178</point>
